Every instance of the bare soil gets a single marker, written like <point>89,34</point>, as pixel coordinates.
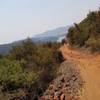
<point>89,66</point>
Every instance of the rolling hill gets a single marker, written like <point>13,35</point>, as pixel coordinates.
<point>48,36</point>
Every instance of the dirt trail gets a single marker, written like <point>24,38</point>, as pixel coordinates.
<point>89,65</point>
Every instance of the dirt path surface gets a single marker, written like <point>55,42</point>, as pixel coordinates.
<point>89,65</point>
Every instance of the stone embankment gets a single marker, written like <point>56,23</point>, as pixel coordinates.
<point>67,86</point>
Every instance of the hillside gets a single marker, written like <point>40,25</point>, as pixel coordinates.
<point>27,70</point>
<point>67,85</point>
<point>88,64</point>
<point>78,77</point>
<point>87,32</point>
<point>60,31</point>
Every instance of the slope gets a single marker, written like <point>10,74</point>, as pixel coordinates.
<point>89,66</point>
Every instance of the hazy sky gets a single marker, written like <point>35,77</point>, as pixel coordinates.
<point>22,18</point>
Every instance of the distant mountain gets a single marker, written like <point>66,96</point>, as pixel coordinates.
<point>54,33</point>
<point>5,48</point>
<point>51,35</point>
<point>48,36</point>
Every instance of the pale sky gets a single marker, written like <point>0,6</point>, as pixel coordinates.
<point>22,18</point>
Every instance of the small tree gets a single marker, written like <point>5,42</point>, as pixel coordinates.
<point>11,73</point>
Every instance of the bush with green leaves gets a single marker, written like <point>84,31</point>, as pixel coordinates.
<point>30,67</point>
<point>25,50</point>
<point>87,32</point>
<point>94,43</point>
<point>11,72</point>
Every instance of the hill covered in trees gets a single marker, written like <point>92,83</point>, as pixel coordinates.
<point>27,69</point>
<point>87,32</point>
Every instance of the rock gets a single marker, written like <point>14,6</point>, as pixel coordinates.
<point>47,97</point>
<point>62,80</point>
<point>55,89</point>
<point>55,98</point>
<point>59,86</point>
<point>46,93</point>
<point>66,85</point>
<point>50,87</point>
<point>42,98</point>
<point>69,98</point>
<point>62,97</point>
<point>57,93</point>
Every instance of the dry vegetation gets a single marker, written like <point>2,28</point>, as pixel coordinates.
<point>27,69</point>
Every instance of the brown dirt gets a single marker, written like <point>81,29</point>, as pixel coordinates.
<point>89,65</point>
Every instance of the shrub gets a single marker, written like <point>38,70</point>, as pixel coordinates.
<point>87,32</point>
<point>33,73</point>
<point>59,56</point>
<point>94,43</point>
<point>25,51</point>
<point>11,73</point>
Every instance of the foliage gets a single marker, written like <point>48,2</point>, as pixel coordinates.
<point>59,57</point>
<point>23,51</point>
<point>1,56</point>
<point>87,32</point>
<point>94,43</point>
<point>29,67</point>
<point>11,72</point>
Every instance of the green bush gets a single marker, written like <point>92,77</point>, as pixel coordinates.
<point>25,50</point>
<point>30,67</point>
<point>94,43</point>
<point>11,72</point>
<point>87,32</point>
<point>59,56</point>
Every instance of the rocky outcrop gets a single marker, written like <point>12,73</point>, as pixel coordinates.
<point>67,86</point>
